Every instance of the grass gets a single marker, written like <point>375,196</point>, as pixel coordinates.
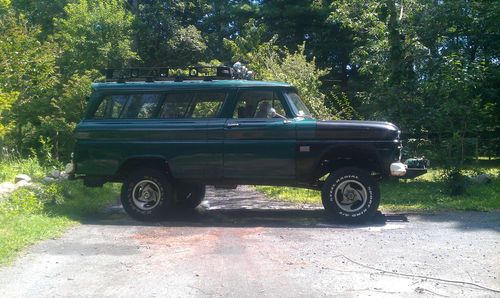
<point>425,193</point>
<point>12,166</point>
<point>44,211</point>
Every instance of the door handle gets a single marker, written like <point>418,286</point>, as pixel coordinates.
<point>232,124</point>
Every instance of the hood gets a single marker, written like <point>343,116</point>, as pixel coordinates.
<point>356,130</point>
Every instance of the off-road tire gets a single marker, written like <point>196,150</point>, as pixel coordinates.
<point>351,195</point>
<point>189,196</point>
<point>142,185</point>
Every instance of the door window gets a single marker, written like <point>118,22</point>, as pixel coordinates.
<point>257,104</point>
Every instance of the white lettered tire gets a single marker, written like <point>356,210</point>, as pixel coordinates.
<point>351,195</point>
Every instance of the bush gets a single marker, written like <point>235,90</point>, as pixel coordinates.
<point>11,166</point>
<point>21,201</point>
<point>271,62</point>
<point>50,194</point>
<point>454,180</point>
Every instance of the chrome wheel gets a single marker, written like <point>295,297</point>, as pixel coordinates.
<point>146,195</point>
<point>350,195</point>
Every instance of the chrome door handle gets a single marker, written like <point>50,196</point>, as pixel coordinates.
<point>233,124</point>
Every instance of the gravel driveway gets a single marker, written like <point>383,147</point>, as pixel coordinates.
<point>240,244</point>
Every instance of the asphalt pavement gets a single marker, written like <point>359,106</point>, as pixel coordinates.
<point>240,244</point>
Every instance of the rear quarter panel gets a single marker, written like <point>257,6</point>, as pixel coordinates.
<point>103,146</point>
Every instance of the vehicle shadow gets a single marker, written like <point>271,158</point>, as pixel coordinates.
<point>243,217</point>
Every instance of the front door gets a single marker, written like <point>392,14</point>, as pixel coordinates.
<point>259,145</point>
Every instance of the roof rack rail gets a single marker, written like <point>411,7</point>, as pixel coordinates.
<point>151,74</point>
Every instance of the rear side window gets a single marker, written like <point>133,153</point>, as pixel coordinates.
<point>207,105</point>
<point>133,106</point>
<point>176,105</point>
<point>192,105</point>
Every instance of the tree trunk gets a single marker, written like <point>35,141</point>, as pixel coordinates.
<point>395,46</point>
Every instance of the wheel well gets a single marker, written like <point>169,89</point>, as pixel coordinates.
<point>133,164</point>
<point>359,157</point>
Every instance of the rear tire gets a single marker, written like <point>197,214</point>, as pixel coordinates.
<point>351,195</point>
<point>147,194</point>
<point>189,196</point>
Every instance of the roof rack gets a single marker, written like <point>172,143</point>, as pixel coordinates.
<point>151,74</point>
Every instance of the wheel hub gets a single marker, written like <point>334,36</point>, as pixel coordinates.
<point>146,195</point>
<point>351,195</point>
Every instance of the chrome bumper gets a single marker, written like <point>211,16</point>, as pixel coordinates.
<point>398,169</point>
<point>401,170</point>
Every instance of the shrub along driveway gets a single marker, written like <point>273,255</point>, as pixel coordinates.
<point>234,247</point>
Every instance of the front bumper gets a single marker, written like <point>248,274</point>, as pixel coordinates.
<point>398,169</point>
<point>413,173</point>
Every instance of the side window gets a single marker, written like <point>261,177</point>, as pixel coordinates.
<point>192,105</point>
<point>207,105</point>
<point>111,106</point>
<point>127,106</point>
<point>142,106</point>
<point>176,105</point>
<point>101,109</point>
<point>256,104</point>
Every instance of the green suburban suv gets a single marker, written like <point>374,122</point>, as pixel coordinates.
<point>166,137</point>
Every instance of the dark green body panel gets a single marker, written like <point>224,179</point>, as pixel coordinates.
<point>259,149</point>
<point>223,150</point>
<point>102,147</point>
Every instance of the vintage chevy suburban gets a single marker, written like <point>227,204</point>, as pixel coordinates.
<point>167,138</point>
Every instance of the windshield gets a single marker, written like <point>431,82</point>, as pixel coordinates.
<point>298,107</point>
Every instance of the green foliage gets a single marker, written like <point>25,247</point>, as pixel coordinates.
<point>165,33</point>
<point>29,74</point>
<point>341,107</point>
<point>272,63</point>
<point>94,35</point>
<point>454,180</point>
<point>41,12</point>
<point>11,165</point>
<point>50,194</point>
<point>21,201</point>
<point>68,109</point>
<point>4,6</point>
<point>6,101</point>
<point>243,48</point>
<point>43,211</point>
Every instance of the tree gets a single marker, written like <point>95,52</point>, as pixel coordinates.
<point>272,63</point>
<point>166,34</point>
<point>6,101</point>
<point>41,13</point>
<point>68,109</point>
<point>243,47</point>
<point>28,80</point>
<point>94,35</point>
<point>224,20</point>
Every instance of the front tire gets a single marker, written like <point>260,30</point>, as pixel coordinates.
<point>351,195</point>
<point>146,194</point>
